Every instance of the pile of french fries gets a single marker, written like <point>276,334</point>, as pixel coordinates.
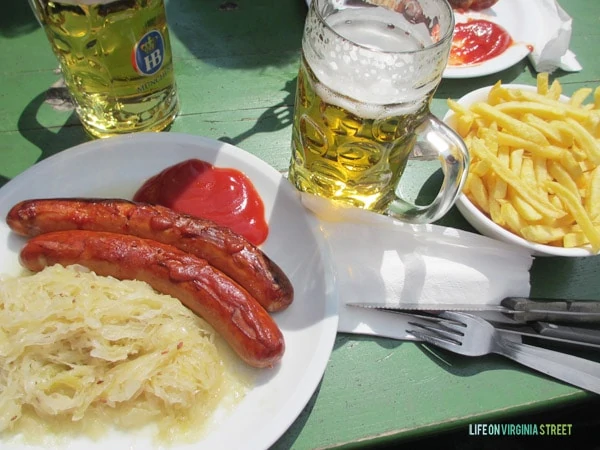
<point>535,161</point>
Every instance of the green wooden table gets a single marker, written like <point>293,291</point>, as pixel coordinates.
<point>236,64</point>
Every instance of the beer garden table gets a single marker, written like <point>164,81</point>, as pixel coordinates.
<point>236,64</point>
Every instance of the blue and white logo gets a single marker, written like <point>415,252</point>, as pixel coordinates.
<point>148,54</point>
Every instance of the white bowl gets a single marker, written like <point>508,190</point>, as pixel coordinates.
<point>485,225</point>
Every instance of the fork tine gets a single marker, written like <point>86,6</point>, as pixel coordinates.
<point>434,340</point>
<point>449,335</point>
<point>451,323</point>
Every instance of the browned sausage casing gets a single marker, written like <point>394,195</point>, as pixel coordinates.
<point>230,309</point>
<point>220,246</point>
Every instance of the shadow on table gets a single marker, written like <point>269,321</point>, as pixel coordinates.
<point>239,34</point>
<point>274,118</point>
<point>49,140</point>
<point>465,366</point>
<point>19,21</point>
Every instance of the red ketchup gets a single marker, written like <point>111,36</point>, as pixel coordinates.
<point>225,196</point>
<point>476,41</point>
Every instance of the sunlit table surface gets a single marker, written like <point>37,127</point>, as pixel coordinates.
<point>236,66</point>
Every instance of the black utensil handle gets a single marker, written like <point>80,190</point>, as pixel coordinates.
<point>564,317</point>
<point>528,304</point>
<point>580,334</point>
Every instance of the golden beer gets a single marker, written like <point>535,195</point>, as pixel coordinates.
<point>116,60</point>
<point>338,154</point>
<point>368,71</point>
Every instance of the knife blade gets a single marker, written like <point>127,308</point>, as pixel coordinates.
<point>519,309</point>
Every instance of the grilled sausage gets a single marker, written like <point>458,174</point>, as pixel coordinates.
<point>220,246</point>
<point>230,309</point>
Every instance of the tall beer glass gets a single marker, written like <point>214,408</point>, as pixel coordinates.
<point>368,72</point>
<point>115,57</point>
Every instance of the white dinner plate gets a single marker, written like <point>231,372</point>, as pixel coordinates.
<point>116,167</point>
<point>519,19</point>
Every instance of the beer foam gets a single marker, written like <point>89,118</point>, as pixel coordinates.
<point>364,109</point>
<point>370,61</point>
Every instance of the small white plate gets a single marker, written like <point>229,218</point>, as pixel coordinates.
<point>519,19</point>
<point>116,167</point>
<point>482,222</point>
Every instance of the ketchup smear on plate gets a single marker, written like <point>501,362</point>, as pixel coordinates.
<point>225,196</point>
<point>476,41</point>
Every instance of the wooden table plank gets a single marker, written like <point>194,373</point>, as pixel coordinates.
<point>393,389</point>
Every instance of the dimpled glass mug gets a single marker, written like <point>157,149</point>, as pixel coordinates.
<point>368,72</point>
<point>115,56</point>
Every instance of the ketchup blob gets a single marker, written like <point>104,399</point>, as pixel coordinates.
<point>476,41</point>
<point>225,196</point>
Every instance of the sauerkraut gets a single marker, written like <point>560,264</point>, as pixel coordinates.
<point>75,346</point>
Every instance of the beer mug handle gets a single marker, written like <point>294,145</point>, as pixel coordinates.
<point>435,137</point>
<point>32,4</point>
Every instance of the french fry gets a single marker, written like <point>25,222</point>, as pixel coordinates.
<point>479,192</point>
<point>565,131</point>
<point>542,234</point>
<point>535,161</point>
<point>574,206</point>
<point>540,169</point>
<point>490,137</point>
<point>499,189</point>
<point>553,102</point>
<point>593,122</point>
<point>559,173</point>
<point>523,130</point>
<point>585,140</point>
<point>542,111</point>
<point>592,196</point>
<point>542,83</point>
<point>579,96</point>
<point>516,161</point>
<point>465,117</point>
<point>575,239</point>
<point>555,90</point>
<point>496,212</point>
<point>511,217</point>
<point>480,168</point>
<point>547,151</point>
<point>527,172</point>
<point>525,210</point>
<point>530,194</point>
<point>597,98</point>
<point>551,133</point>
<point>498,94</point>
<point>570,164</point>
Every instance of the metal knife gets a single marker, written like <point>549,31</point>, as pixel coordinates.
<point>519,309</point>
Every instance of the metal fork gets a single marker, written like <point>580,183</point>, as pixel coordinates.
<point>471,335</point>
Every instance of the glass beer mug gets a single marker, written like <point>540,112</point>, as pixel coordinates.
<point>115,56</point>
<point>368,72</point>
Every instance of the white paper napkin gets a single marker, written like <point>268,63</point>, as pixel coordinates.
<point>379,259</point>
<point>551,46</point>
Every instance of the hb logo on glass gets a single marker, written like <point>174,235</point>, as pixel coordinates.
<point>147,55</point>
